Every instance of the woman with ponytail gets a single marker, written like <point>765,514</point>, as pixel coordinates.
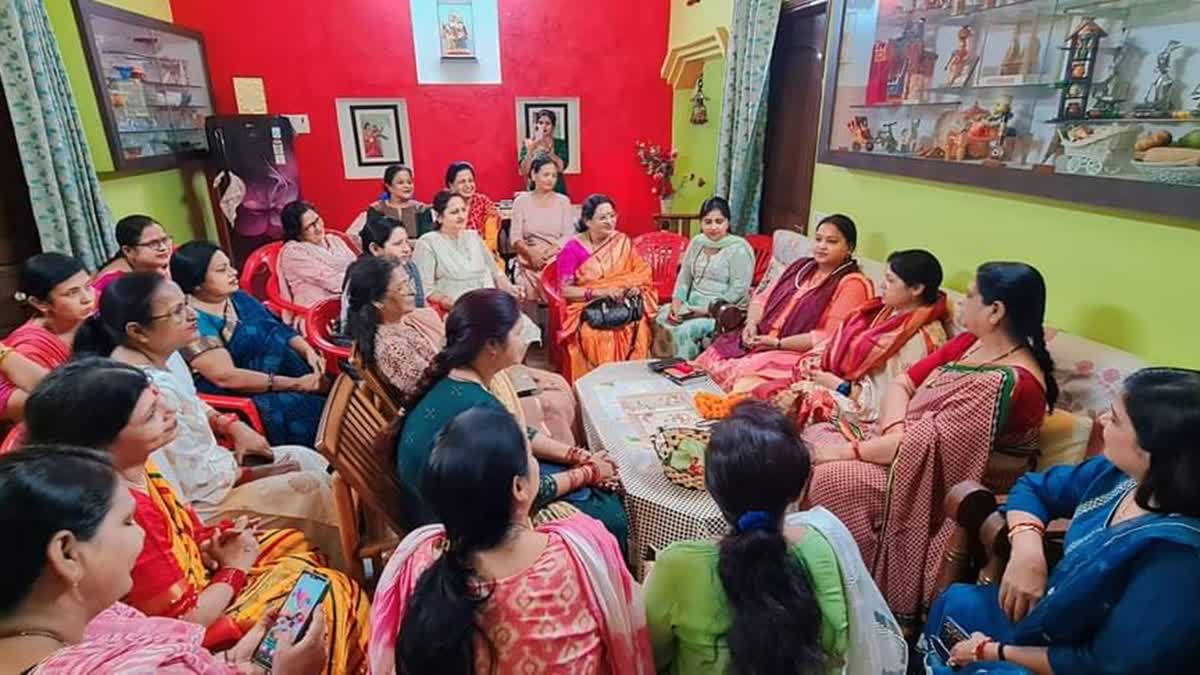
<point>972,410</point>
<point>769,597</point>
<point>482,341</point>
<point>485,592</point>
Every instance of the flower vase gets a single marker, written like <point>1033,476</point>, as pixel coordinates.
<point>664,205</point>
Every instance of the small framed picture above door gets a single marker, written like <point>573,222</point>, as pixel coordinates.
<point>374,134</point>
<point>456,28</point>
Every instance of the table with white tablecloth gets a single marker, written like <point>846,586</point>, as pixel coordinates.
<point>660,512</point>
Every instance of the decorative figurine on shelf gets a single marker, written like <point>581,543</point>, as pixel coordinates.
<point>1082,47</point>
<point>699,110</point>
<point>887,140</point>
<point>957,66</point>
<point>1033,52</point>
<point>1196,100</point>
<point>1013,56</point>
<point>1110,92</point>
<point>1157,102</point>
<point>910,136</point>
<point>860,134</point>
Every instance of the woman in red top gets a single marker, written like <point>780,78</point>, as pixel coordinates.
<point>969,411</point>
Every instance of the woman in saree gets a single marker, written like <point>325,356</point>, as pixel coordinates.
<point>243,349</point>
<point>717,265</point>
<point>600,263</point>
<point>144,321</point>
<point>717,607</point>
<point>794,313</point>
<point>969,411</point>
<point>453,260</point>
<point>57,288</point>
<point>482,341</point>
<point>542,221</point>
<point>397,340</point>
<point>67,569</point>
<point>844,379</point>
<point>224,579</point>
<point>1125,598</point>
<point>396,202</point>
<point>559,598</point>
<point>482,216</point>
<point>145,247</point>
<point>544,145</point>
<point>312,262</point>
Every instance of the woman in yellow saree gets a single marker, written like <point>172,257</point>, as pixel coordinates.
<point>596,265</point>
<point>225,578</point>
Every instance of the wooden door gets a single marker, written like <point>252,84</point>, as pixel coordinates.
<point>794,109</point>
<point>18,231</point>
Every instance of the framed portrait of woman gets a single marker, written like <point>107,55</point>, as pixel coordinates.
<point>374,133</point>
<point>563,115</point>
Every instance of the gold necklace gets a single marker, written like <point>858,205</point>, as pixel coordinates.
<point>33,633</point>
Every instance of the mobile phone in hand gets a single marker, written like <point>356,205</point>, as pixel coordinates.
<point>294,616</point>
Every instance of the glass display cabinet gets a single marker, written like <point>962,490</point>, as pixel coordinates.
<point>1088,101</point>
<point>152,86</point>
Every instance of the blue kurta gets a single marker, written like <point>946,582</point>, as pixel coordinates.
<point>1124,599</point>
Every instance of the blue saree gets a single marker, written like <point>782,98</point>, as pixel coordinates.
<point>1124,599</point>
<point>259,341</point>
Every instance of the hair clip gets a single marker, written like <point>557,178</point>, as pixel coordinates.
<point>753,520</point>
<point>20,297</point>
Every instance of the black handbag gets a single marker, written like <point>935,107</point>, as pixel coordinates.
<point>613,313</point>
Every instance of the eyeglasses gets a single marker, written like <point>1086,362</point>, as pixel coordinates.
<point>314,224</point>
<point>160,244</point>
<point>179,314</point>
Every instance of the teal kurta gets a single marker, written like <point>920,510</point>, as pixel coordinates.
<point>703,278</point>
<point>443,403</point>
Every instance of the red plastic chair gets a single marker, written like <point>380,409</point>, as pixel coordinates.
<point>762,245</point>
<point>258,273</point>
<point>241,406</point>
<point>318,324</point>
<point>350,241</point>
<point>287,309</point>
<point>13,439</point>
<point>556,307</point>
<point>662,251</point>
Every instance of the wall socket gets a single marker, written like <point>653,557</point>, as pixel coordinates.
<point>299,124</point>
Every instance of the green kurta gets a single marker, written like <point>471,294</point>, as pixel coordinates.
<point>443,403</point>
<point>703,278</point>
<point>687,614</point>
<point>563,153</point>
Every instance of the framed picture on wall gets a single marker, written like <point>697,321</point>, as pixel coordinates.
<point>558,128</point>
<point>456,28</point>
<point>374,133</point>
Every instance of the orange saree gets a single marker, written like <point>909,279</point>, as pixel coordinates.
<point>614,265</point>
<point>170,574</point>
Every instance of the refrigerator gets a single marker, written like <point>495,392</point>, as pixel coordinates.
<point>253,174</point>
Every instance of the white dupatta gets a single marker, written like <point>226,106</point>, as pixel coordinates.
<point>876,646</point>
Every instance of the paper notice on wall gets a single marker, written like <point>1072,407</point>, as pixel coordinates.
<point>251,95</point>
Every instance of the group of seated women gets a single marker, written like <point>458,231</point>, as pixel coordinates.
<point>157,515</point>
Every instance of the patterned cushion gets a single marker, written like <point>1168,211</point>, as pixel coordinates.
<point>1063,439</point>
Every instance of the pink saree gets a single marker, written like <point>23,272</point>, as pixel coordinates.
<point>609,592</point>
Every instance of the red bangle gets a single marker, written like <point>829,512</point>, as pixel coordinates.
<point>225,421</point>
<point>979,649</point>
<point>231,575</point>
<point>854,446</point>
<point>1027,525</point>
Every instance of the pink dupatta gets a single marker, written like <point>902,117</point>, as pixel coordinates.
<point>611,594</point>
<point>123,641</point>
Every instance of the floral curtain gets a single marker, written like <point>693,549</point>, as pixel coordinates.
<point>744,108</point>
<point>63,187</point>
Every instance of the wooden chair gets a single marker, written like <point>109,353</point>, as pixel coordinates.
<point>979,548</point>
<point>762,245</point>
<point>366,491</point>
<point>384,396</point>
<point>318,330</point>
<point>662,251</point>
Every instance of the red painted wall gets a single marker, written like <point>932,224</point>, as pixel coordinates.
<point>606,52</point>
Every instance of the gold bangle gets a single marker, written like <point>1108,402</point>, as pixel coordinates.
<point>5,350</point>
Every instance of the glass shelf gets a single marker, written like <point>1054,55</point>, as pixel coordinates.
<point>152,86</point>
<point>934,104</point>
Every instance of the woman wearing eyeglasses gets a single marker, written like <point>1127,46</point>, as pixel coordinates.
<point>313,263</point>
<point>145,247</point>
<point>242,349</point>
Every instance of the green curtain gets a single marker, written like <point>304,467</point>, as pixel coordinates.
<point>744,108</point>
<point>63,187</point>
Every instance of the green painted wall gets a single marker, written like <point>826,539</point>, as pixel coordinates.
<point>697,145</point>
<point>177,198</point>
<point>1127,280</point>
